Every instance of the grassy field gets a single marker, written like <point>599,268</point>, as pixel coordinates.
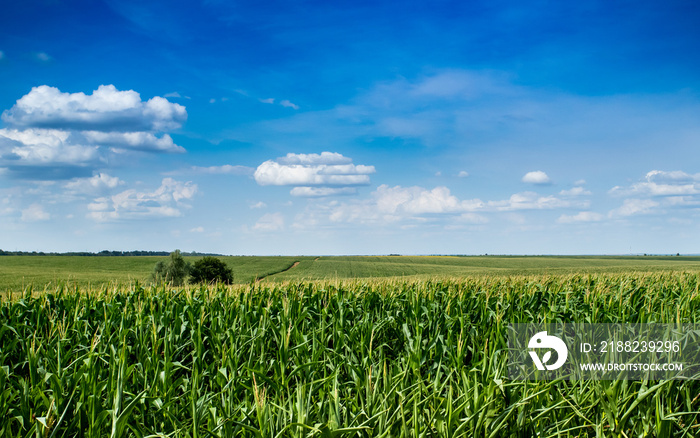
<point>367,358</point>
<point>16,272</point>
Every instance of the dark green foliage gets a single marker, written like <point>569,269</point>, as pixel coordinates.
<point>210,270</point>
<point>173,271</point>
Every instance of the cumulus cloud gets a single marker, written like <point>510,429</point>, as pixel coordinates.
<point>168,200</point>
<point>533,201</point>
<point>106,109</point>
<point>536,177</point>
<point>676,176</point>
<point>98,183</point>
<point>661,183</point>
<point>417,200</point>
<point>42,147</point>
<point>310,172</point>
<point>583,216</point>
<point>273,173</point>
<point>632,207</point>
<point>463,174</point>
<point>659,192</point>
<point>329,158</point>
<point>390,204</point>
<point>144,141</point>
<point>270,222</point>
<point>50,130</point>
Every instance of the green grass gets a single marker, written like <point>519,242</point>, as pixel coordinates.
<point>384,358</point>
<point>423,267</point>
<point>17,272</point>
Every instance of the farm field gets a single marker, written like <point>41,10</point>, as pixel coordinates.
<point>17,272</point>
<point>352,358</point>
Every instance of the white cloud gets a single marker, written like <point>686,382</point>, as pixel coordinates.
<point>633,207</point>
<point>463,174</point>
<point>580,182</point>
<point>533,201</point>
<point>173,94</point>
<point>270,100</point>
<point>661,183</point>
<point>144,141</point>
<point>303,170</point>
<point>315,159</point>
<point>56,135</point>
<point>43,146</point>
<point>288,104</point>
<point>672,176</point>
<point>221,170</point>
<point>197,230</point>
<point>682,201</point>
<point>96,184</point>
<point>536,177</point>
<point>417,200</point>
<point>583,216</point>
<point>575,191</point>
<point>391,204</point>
<point>318,192</point>
<point>35,213</point>
<point>270,222</point>
<point>106,109</point>
<point>166,201</point>
<point>257,205</point>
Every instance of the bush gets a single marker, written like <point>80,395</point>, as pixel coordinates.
<point>173,271</point>
<point>211,270</point>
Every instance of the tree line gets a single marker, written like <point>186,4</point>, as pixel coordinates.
<point>104,253</point>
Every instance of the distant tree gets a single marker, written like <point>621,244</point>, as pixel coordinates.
<point>173,271</point>
<point>211,270</point>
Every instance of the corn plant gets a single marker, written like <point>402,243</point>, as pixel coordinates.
<point>356,359</point>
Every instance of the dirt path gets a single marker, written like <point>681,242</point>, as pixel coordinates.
<point>294,265</point>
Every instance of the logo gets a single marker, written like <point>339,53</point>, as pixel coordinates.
<point>541,340</point>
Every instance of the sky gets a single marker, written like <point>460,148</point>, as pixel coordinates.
<point>350,127</point>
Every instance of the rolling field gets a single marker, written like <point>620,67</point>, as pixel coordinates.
<point>353,267</point>
<point>328,347</point>
<point>384,358</point>
<point>17,272</point>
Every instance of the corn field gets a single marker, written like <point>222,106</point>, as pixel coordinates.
<point>326,359</point>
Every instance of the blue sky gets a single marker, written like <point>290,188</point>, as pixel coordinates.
<point>350,127</point>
